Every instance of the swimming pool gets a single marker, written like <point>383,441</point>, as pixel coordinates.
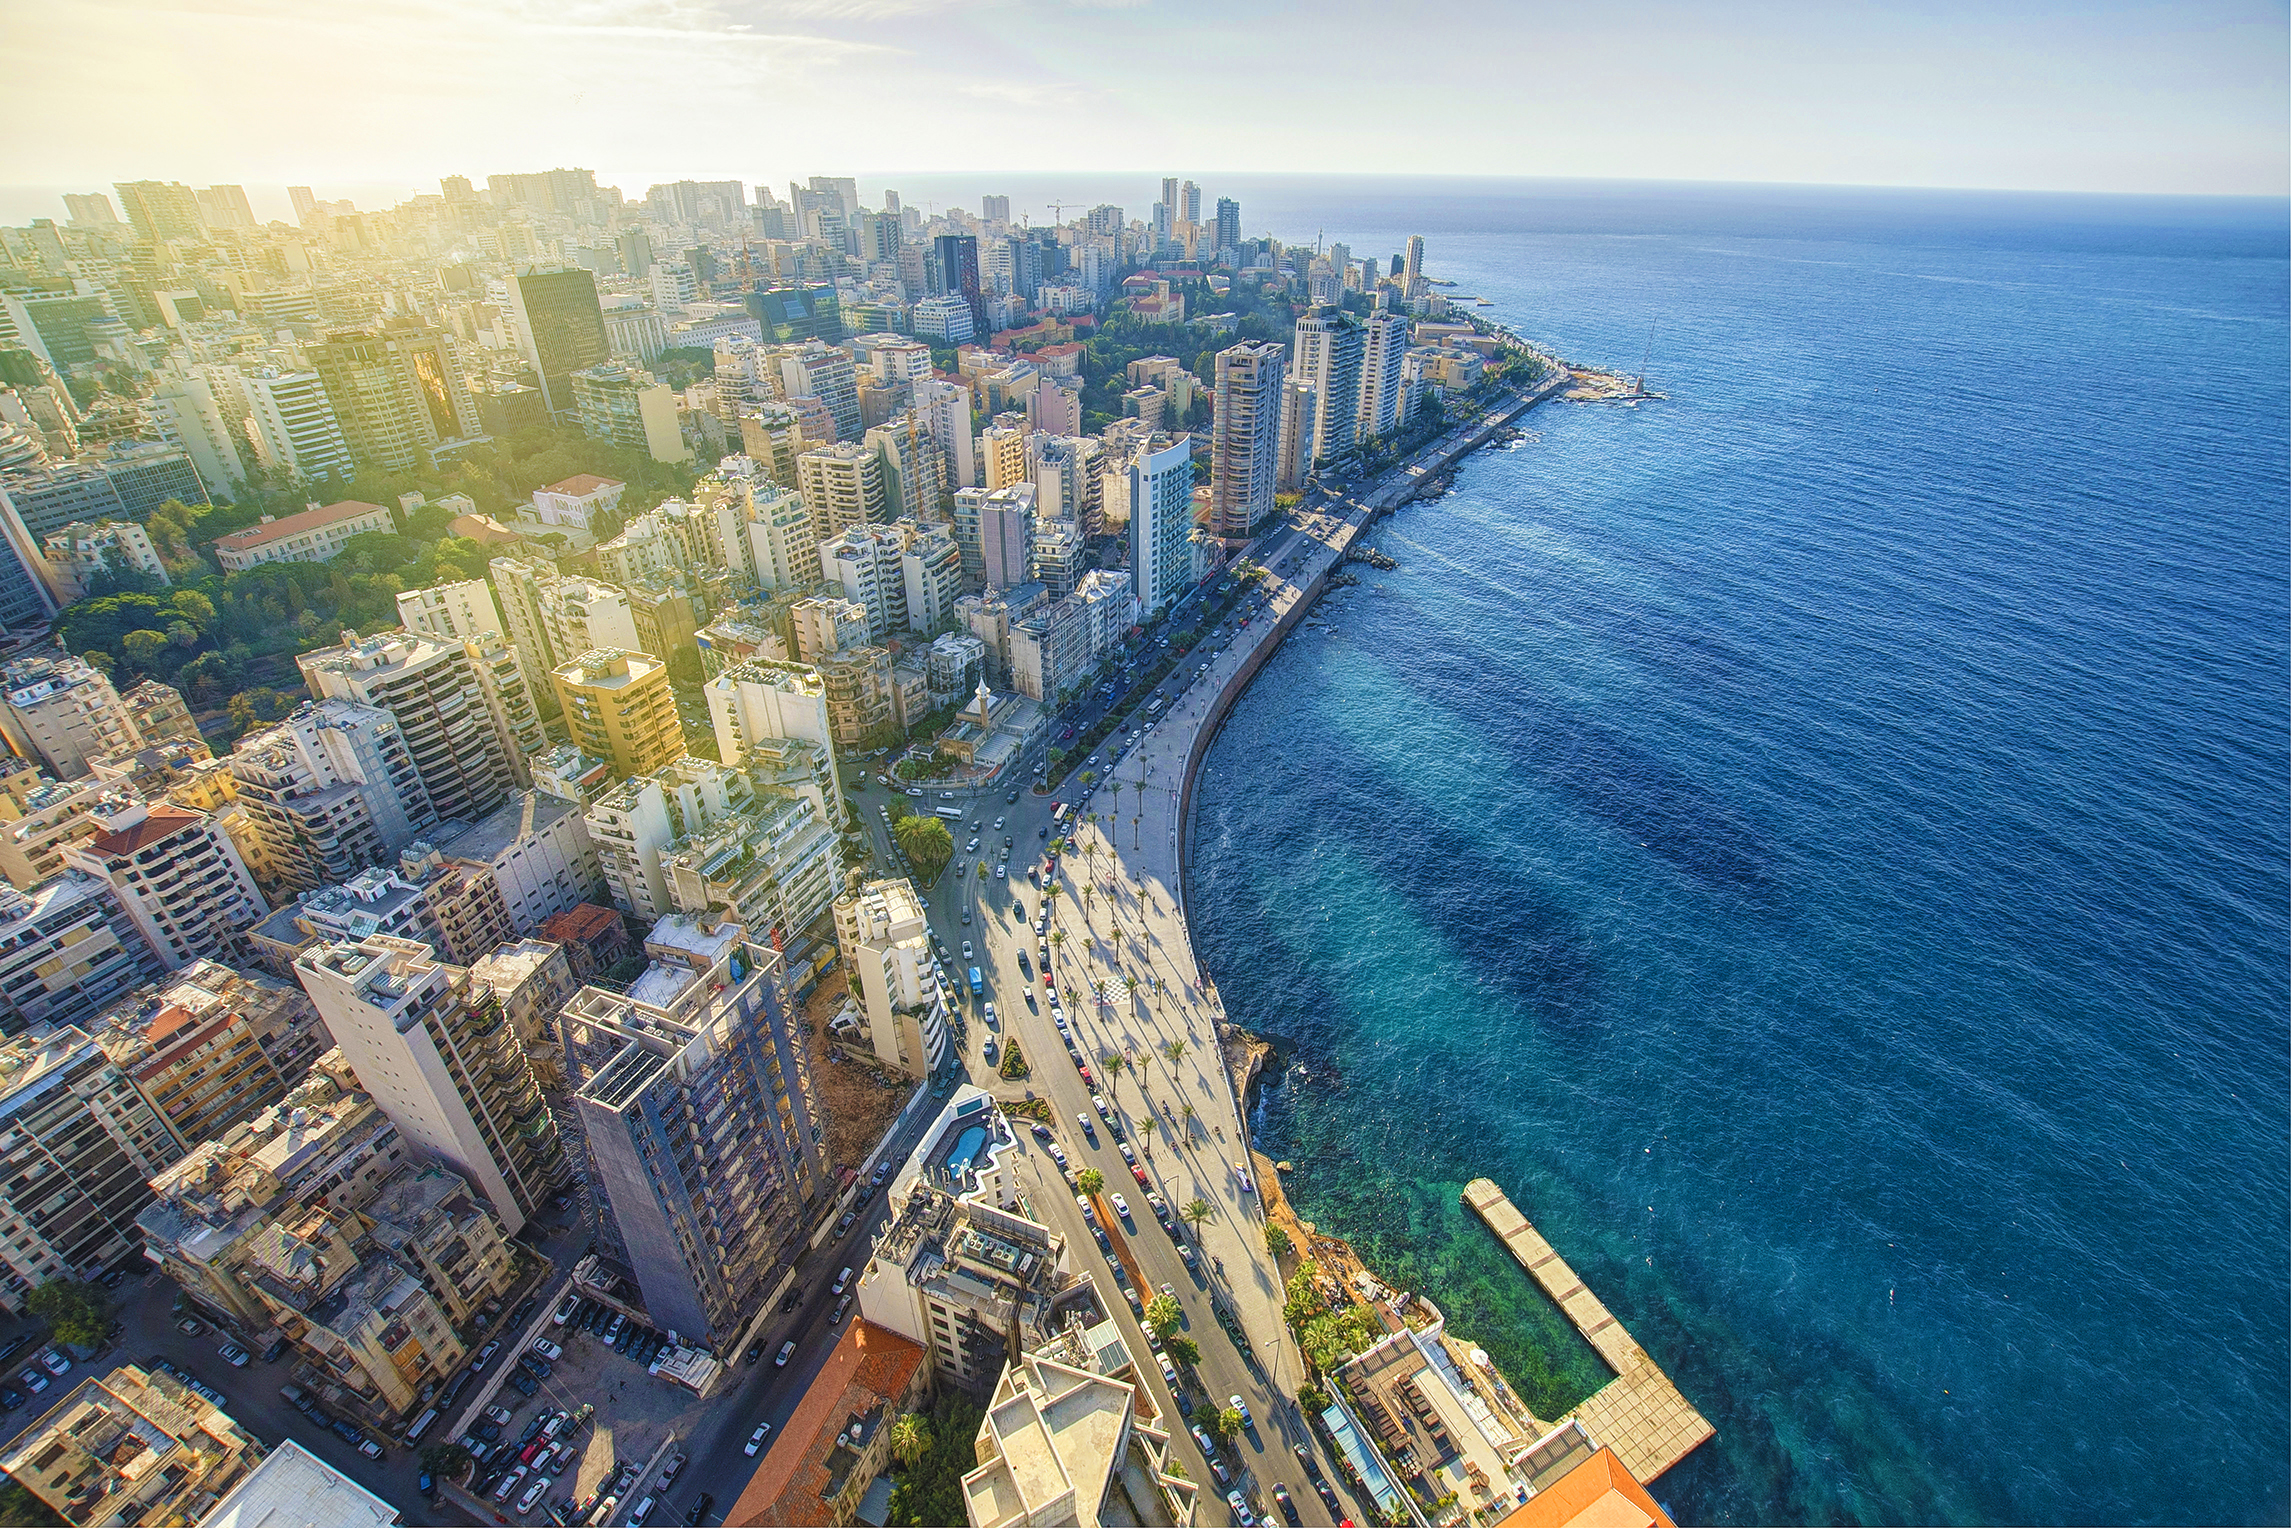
<point>967,1147</point>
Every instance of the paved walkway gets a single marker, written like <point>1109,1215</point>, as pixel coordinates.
<point>1640,1413</point>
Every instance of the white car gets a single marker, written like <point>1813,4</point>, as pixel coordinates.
<point>548,1349</point>
<point>756,1439</point>
<point>1241,1179</point>
<point>55,1363</point>
<point>1121,1207</point>
<point>533,1494</point>
<point>233,1354</point>
<point>966,950</point>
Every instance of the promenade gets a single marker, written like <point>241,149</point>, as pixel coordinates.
<point>1125,917</point>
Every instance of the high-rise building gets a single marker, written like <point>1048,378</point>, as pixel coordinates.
<point>1228,224</point>
<point>945,320</point>
<point>561,329</point>
<point>886,947</point>
<point>619,707</point>
<point>461,611</point>
<point>1245,438</point>
<point>177,873</point>
<point>1383,398</point>
<point>630,407</point>
<point>1161,520</point>
<point>842,485</point>
<point>435,1051</point>
<point>1003,449</point>
<point>1006,535</point>
<point>1413,271</point>
<point>1297,417</point>
<point>327,792</point>
<point>756,702</point>
<point>994,209</point>
<point>1328,355</point>
<point>945,413</point>
<point>956,274</point>
<point>161,210</point>
<point>815,369</point>
<point>865,561</point>
<point>931,564</point>
<point>59,709</point>
<point>398,393</point>
<point>292,422</point>
<point>434,690</point>
<point>92,209</point>
<point>67,948</point>
<point>183,408</point>
<point>702,1125</point>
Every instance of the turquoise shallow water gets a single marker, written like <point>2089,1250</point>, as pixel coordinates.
<point>1820,844</point>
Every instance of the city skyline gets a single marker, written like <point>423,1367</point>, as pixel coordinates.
<point>2133,99</point>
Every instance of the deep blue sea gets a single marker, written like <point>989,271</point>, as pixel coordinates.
<point>1820,842</point>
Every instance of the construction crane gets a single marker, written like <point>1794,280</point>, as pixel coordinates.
<point>1058,209</point>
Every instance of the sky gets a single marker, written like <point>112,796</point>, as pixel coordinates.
<point>378,98</point>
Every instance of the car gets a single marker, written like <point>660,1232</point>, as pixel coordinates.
<point>1138,1173</point>
<point>1328,1499</point>
<point>524,1309</point>
<point>34,1381</point>
<point>755,1352</point>
<point>425,1484</point>
<point>522,1383</point>
<point>1241,1512</point>
<point>1058,1154</point>
<point>1288,1507</point>
<point>841,1280</point>
<point>509,1484</point>
<point>1121,1206</point>
<point>1241,1179</point>
<point>547,1349</point>
<point>534,1364</point>
<point>533,1493</point>
<point>115,1278</point>
<point>669,1472</point>
<point>1238,1404</point>
<point>988,1052</point>
<point>966,949</point>
<point>1168,1369</point>
<point>1306,1461</point>
<point>1089,1127</point>
<point>1186,1253</point>
<point>234,1355</point>
<point>1169,1290</point>
<point>1128,1155</point>
<point>699,1508</point>
<point>1098,1102</point>
<point>842,1308</point>
<point>988,1011</point>
<point>792,1299</point>
<point>643,1509</point>
<point>565,1310</point>
<point>756,1439</point>
<point>612,1333</point>
<point>1041,832</point>
<point>556,1424</point>
<point>485,1355</point>
<point>1042,1132</point>
<point>10,1399</point>
<point>277,1350</point>
<point>499,1414</point>
<point>190,1328</point>
<point>787,1351</point>
<point>371,1450</point>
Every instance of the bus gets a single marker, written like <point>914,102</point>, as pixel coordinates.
<point>1160,704</point>
<point>950,813</point>
<point>1058,813</point>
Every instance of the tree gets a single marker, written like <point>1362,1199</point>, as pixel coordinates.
<point>926,843</point>
<point>1145,1129</point>
<point>1277,1241</point>
<point>1187,1111</point>
<point>1163,1314</point>
<point>1313,1399</point>
<point>1113,1063</point>
<point>446,1461</point>
<point>1182,1349</point>
<point>1196,1211</point>
<point>1227,1423</point>
<point>76,1312</point>
<point>910,1439</point>
<point>684,667</point>
<point>142,648</point>
<point>1174,1050</point>
<point>197,609</point>
<point>1090,1181</point>
<point>21,1509</point>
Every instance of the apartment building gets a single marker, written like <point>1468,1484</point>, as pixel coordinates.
<point>886,947</point>
<point>442,1060</point>
<point>78,1148</point>
<point>437,696</point>
<point>702,1125</point>
<point>331,789</point>
<point>461,611</point>
<point>318,534</point>
<point>132,1447</point>
<point>67,947</point>
<point>56,708</point>
<point>618,706</point>
<point>843,486</point>
<point>177,874</point>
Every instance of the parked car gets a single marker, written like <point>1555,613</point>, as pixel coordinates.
<point>756,1438</point>
<point>371,1450</point>
<point>699,1509</point>
<point>234,1355</point>
<point>523,1384</point>
<point>485,1355</point>
<point>10,1399</point>
<point>547,1349</point>
<point>34,1381</point>
<point>841,1280</point>
<point>1241,1512</point>
<point>190,1328</point>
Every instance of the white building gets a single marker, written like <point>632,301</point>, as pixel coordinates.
<point>1161,520</point>
<point>944,320</point>
<point>1006,535</point>
<point>293,425</point>
<point>1383,394</point>
<point>315,535</point>
<point>462,611</point>
<point>866,560</point>
<point>538,849</point>
<point>1327,357</point>
<point>886,946</point>
<point>177,874</point>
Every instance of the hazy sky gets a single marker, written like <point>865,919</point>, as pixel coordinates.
<point>2091,96</point>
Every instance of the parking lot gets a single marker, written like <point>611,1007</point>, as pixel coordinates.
<point>635,1413</point>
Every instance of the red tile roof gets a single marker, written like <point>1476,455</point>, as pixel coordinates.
<point>295,525</point>
<point>1600,1491</point>
<point>581,924</point>
<point>158,823</point>
<point>869,1367</point>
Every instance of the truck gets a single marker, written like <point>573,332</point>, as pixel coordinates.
<point>977,983</point>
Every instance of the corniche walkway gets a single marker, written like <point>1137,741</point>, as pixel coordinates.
<point>1640,1413</point>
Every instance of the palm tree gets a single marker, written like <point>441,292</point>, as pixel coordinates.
<point>1145,1129</point>
<point>1186,1110</point>
<point>1089,1180</point>
<point>1196,1211</point>
<point>1057,935</point>
<point>1131,982</point>
<point>1113,1063</point>
<point>910,1439</point>
<point>1174,1050</point>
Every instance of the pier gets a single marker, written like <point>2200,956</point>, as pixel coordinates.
<point>1640,1413</point>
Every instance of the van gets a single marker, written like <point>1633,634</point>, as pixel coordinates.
<point>421,1425</point>
<point>643,1509</point>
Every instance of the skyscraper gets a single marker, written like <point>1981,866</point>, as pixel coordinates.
<point>304,201</point>
<point>1189,203</point>
<point>1414,271</point>
<point>561,329</point>
<point>437,695</point>
<point>435,1051</point>
<point>955,274</point>
<point>702,1125</point>
<point>397,393</point>
<point>160,209</point>
<point>296,431</point>
<point>1384,345</point>
<point>1161,520</point>
<point>994,209</point>
<point>1245,437</point>
<point>94,207</point>
<point>1228,223</point>
<point>1328,352</point>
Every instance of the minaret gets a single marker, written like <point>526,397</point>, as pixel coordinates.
<point>985,703</point>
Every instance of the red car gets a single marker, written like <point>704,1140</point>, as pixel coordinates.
<point>1085,1071</point>
<point>1139,1174</point>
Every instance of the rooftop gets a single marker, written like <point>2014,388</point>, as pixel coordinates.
<point>295,525</point>
<point>868,1371</point>
<point>581,484</point>
<point>294,1488</point>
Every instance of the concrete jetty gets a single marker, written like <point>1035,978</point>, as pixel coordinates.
<point>1640,1413</point>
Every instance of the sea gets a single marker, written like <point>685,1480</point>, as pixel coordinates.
<point>1818,841</point>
